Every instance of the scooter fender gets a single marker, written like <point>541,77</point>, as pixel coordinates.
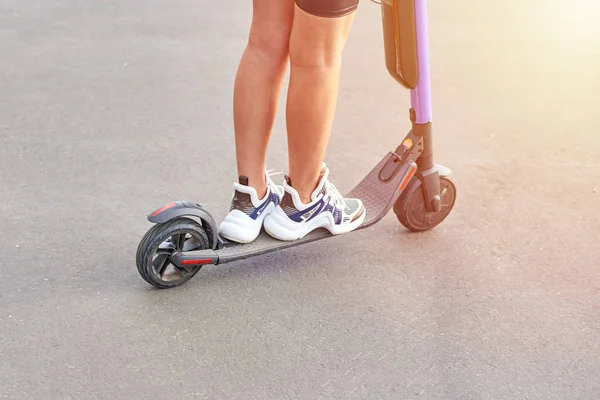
<point>190,210</point>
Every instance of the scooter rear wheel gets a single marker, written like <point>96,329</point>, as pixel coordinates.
<point>156,248</point>
<point>410,207</point>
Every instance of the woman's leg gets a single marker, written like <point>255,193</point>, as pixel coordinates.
<point>316,47</point>
<point>310,201</point>
<point>256,93</point>
<point>258,85</point>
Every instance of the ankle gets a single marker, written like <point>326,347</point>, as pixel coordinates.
<point>304,191</point>
<point>256,183</point>
<point>305,183</point>
<point>260,187</point>
<point>261,191</point>
<point>305,198</point>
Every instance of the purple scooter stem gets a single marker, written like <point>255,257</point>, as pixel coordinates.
<point>420,97</point>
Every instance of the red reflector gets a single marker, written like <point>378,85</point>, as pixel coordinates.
<point>163,208</point>
<point>410,174</point>
<point>196,262</point>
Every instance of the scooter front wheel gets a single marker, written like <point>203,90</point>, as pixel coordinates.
<point>410,207</point>
<point>156,248</point>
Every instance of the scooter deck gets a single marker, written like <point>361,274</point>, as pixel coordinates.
<point>377,195</point>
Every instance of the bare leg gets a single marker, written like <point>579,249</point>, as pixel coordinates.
<point>258,85</point>
<point>316,47</point>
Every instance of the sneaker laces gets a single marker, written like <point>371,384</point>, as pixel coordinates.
<point>336,195</point>
<point>272,184</point>
<point>270,172</point>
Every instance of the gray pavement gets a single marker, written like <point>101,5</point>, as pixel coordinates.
<point>109,109</point>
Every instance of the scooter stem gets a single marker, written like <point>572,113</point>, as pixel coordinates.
<point>420,96</point>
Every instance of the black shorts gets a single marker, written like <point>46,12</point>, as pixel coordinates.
<point>328,8</point>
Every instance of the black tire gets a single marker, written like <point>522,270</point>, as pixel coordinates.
<point>181,234</point>
<point>410,207</point>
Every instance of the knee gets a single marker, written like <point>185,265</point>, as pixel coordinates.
<point>318,42</point>
<point>317,53</point>
<point>271,45</point>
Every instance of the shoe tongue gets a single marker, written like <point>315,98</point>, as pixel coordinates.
<point>322,180</point>
<point>243,180</point>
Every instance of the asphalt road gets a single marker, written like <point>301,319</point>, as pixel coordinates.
<point>110,109</point>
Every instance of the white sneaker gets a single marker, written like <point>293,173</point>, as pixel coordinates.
<point>328,209</point>
<point>247,212</point>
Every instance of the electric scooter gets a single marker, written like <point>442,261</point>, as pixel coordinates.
<point>184,236</point>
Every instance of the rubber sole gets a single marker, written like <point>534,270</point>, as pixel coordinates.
<point>279,226</point>
<point>240,228</point>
